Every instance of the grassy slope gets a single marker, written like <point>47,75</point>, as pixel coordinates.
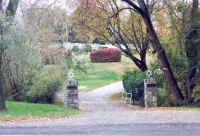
<point>27,110</point>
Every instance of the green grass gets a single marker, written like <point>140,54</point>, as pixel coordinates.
<point>96,78</point>
<point>101,74</point>
<point>27,110</point>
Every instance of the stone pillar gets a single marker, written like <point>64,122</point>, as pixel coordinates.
<point>150,92</point>
<point>71,95</point>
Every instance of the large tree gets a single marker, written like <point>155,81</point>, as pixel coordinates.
<point>47,25</point>
<point>10,12</point>
<point>142,9</point>
<point>193,33</point>
<point>104,19</point>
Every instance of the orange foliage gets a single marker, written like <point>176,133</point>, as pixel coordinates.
<point>89,19</point>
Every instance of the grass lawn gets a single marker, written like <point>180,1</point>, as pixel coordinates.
<point>28,110</point>
<point>100,74</point>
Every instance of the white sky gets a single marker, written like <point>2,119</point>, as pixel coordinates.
<point>68,5</point>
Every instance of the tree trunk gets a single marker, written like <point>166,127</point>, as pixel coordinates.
<point>10,11</point>
<point>163,60</point>
<point>141,64</point>
<point>2,100</point>
<point>143,11</point>
<point>162,56</point>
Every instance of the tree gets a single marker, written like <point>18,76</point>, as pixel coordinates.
<point>85,16</point>
<point>9,12</point>
<point>49,25</point>
<point>103,20</point>
<point>192,47</point>
<point>184,26</point>
<point>142,9</point>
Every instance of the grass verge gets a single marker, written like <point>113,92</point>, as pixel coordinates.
<point>28,110</point>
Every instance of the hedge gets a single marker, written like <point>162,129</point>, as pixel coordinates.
<point>106,55</point>
<point>132,80</point>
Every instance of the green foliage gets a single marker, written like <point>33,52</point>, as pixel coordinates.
<point>22,62</point>
<point>45,85</point>
<point>180,6</point>
<point>196,95</point>
<point>99,41</point>
<point>178,64</point>
<point>87,48</point>
<point>132,80</point>
<point>75,49</point>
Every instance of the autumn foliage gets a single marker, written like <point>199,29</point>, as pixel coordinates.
<point>106,55</point>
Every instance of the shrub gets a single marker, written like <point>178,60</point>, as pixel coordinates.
<point>132,80</point>
<point>106,55</point>
<point>45,85</point>
<point>99,41</point>
<point>75,49</point>
<point>87,48</point>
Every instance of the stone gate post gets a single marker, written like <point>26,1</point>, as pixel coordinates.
<point>150,92</point>
<point>71,96</point>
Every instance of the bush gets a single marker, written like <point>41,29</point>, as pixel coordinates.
<point>45,85</point>
<point>99,41</point>
<point>87,48</point>
<point>132,80</point>
<point>75,49</point>
<point>106,55</point>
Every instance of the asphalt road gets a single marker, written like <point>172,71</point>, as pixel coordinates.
<point>108,130</point>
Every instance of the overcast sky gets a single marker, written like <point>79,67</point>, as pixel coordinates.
<point>69,5</point>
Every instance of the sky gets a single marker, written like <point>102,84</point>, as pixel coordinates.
<point>68,5</point>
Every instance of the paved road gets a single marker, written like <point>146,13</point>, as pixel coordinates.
<point>109,130</point>
<point>105,118</point>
